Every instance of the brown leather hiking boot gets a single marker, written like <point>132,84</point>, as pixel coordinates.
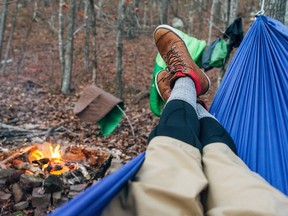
<point>178,61</point>
<point>163,84</point>
<point>164,89</point>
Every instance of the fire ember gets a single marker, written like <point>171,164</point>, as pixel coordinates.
<point>38,178</point>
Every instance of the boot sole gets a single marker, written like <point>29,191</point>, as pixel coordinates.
<point>156,85</point>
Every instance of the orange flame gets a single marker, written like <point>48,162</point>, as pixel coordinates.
<point>56,162</point>
<point>56,153</point>
<point>37,154</point>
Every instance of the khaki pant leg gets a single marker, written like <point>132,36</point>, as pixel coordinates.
<point>169,182</point>
<point>234,189</point>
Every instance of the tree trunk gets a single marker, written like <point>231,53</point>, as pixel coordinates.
<point>100,14</point>
<point>145,14</point>
<point>87,36</point>
<point>119,47</point>
<point>275,9</point>
<point>132,19</point>
<point>66,84</point>
<point>286,14</point>
<point>94,48</point>
<point>24,44</point>
<point>47,3</point>
<point>10,37</point>
<point>60,40</point>
<point>233,7</point>
<point>3,25</point>
<point>164,6</point>
<point>35,10</point>
<point>200,18</point>
<point>190,27</point>
<point>211,21</point>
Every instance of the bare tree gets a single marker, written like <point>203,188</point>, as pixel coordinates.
<point>214,7</point>
<point>3,24</point>
<point>47,3</point>
<point>132,17</point>
<point>190,27</point>
<point>60,39</point>
<point>119,48</point>
<point>66,80</point>
<point>35,9</point>
<point>286,14</point>
<point>94,49</point>
<point>10,37</point>
<point>87,35</point>
<point>164,7</point>
<point>100,13</point>
<point>24,43</point>
<point>145,14</point>
<point>276,9</point>
<point>233,7</point>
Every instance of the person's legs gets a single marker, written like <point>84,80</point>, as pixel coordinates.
<point>233,189</point>
<point>179,119</point>
<point>171,178</point>
<point>211,131</point>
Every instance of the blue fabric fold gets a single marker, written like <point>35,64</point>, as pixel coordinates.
<point>93,200</point>
<point>252,100</point>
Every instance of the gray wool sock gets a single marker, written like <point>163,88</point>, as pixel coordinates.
<point>184,89</point>
<point>202,112</point>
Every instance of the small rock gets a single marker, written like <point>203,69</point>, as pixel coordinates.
<point>5,173</point>
<point>40,211</point>
<point>78,187</point>
<point>72,194</point>
<point>18,193</point>
<point>5,197</point>
<point>57,198</point>
<point>2,184</point>
<point>29,182</point>
<point>52,184</point>
<point>21,206</point>
<point>39,199</point>
<point>15,176</point>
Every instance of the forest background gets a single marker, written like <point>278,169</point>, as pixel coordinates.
<point>51,50</point>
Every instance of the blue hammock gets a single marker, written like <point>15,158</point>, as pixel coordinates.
<point>252,101</point>
<point>93,200</point>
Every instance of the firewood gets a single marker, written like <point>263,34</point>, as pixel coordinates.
<point>16,154</point>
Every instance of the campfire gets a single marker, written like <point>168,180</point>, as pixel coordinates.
<point>40,177</point>
<point>50,161</point>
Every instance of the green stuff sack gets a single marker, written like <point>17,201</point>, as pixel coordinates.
<point>195,48</point>
<point>219,54</point>
<point>111,120</point>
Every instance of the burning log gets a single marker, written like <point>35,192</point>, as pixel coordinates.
<point>83,170</point>
<point>15,155</point>
<point>28,166</point>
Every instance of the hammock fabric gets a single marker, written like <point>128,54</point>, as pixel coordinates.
<point>93,200</point>
<point>252,101</point>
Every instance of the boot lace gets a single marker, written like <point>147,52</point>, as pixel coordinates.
<point>175,63</point>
